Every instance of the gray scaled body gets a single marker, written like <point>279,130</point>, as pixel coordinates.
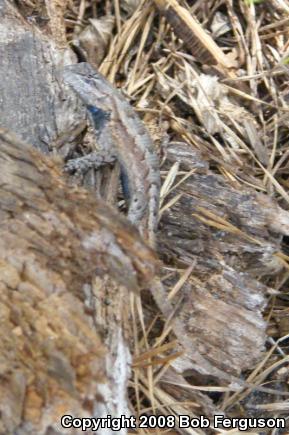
<point>121,135</point>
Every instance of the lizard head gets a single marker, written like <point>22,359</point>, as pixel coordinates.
<point>93,89</point>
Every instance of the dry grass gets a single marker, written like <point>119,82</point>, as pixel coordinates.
<point>226,95</point>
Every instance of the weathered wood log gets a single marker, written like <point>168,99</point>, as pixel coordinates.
<point>229,237</point>
<point>53,240</point>
<point>33,99</point>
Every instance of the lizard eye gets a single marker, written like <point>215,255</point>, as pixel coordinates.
<point>87,80</point>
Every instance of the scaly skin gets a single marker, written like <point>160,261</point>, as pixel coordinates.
<point>121,134</point>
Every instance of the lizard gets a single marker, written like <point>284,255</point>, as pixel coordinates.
<point>121,136</point>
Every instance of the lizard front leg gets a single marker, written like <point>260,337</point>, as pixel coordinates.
<point>99,120</point>
<point>94,160</point>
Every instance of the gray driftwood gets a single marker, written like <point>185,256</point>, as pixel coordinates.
<point>33,102</point>
<point>230,238</point>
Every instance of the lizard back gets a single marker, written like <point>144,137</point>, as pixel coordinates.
<point>124,132</point>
